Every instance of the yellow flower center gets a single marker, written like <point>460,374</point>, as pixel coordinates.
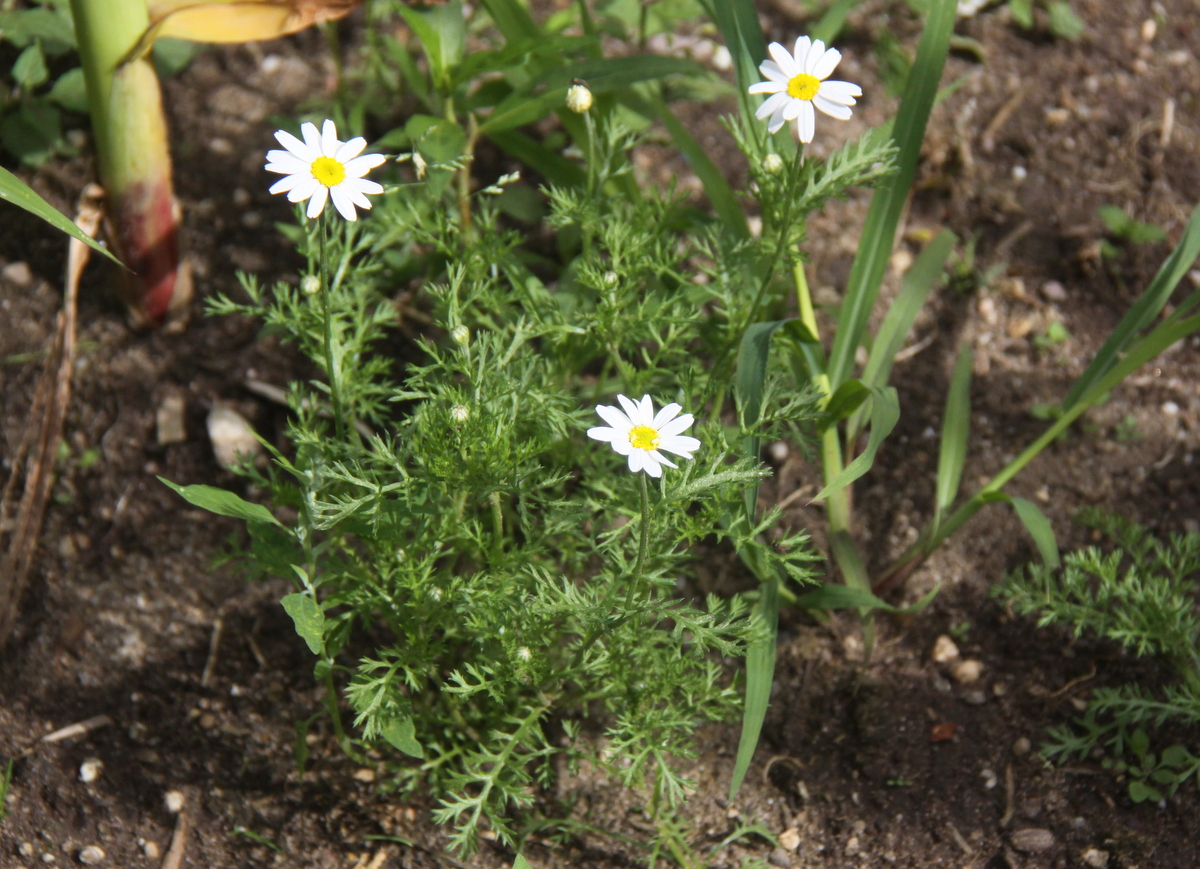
<point>642,437</point>
<point>803,86</point>
<point>328,171</point>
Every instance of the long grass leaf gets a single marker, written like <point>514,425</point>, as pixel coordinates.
<point>1144,310</point>
<point>760,673</point>
<point>16,191</point>
<point>513,19</point>
<point>831,23</point>
<point>956,425</point>
<point>556,168</point>
<point>879,232</point>
<point>752,357</point>
<point>1039,529</point>
<point>885,412</point>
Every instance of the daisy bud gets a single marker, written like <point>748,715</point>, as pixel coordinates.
<point>459,414</point>
<point>523,654</point>
<point>773,163</point>
<point>310,285</point>
<point>610,280</point>
<point>579,98</point>
<point>461,335</point>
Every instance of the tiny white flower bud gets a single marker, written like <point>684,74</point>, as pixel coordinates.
<point>610,280</point>
<point>773,163</point>
<point>459,413</point>
<point>524,654</point>
<point>419,164</point>
<point>310,284</point>
<point>461,335</point>
<point>579,98</point>
<point>435,593</point>
<point>401,554</point>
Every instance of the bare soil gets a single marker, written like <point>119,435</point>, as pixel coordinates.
<point>891,763</point>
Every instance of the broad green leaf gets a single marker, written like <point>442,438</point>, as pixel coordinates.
<point>70,91</point>
<point>513,19</point>
<point>273,547</point>
<point>1175,756</point>
<point>402,734</point>
<point>53,28</point>
<point>879,232</point>
<point>33,132</point>
<point>308,618</point>
<point>885,412</point>
<point>1139,742</point>
<point>431,41</point>
<point>521,863</point>
<point>848,398</point>
<point>956,425</point>
<point>1144,311</point>
<point>1063,20</point>
<point>222,502</point>
<point>556,168</point>
<point>1022,12</point>
<point>1139,792</point>
<point>1039,529</point>
<point>29,69</point>
<point>438,139</point>
<point>16,191</point>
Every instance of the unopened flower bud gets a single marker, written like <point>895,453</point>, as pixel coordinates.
<point>579,98</point>
<point>610,280</point>
<point>773,163</point>
<point>310,285</point>
<point>459,414</point>
<point>524,654</point>
<point>461,335</point>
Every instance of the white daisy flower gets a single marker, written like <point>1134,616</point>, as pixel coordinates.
<point>797,84</point>
<point>322,167</point>
<point>639,433</point>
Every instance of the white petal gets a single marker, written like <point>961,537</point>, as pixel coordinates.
<point>842,92</point>
<point>770,69</point>
<point>615,418</point>
<point>360,166</point>
<point>329,139</point>
<point>304,188</point>
<point>651,467</point>
<point>781,57</point>
<point>283,185</point>
<point>622,446</point>
<point>631,410</point>
<point>801,53</point>
<point>826,64</point>
<point>792,110</point>
<point>637,460</point>
<point>342,203</point>
<point>842,113</point>
<point>348,150</point>
<point>768,87</point>
<point>646,407</point>
<point>354,192</point>
<point>772,104</point>
<point>603,433</point>
<point>675,426</point>
<point>661,459</point>
<point>286,163</point>
<point>664,416</point>
<point>776,123</point>
<point>362,185</point>
<point>294,146</point>
<point>680,445</point>
<point>317,203</point>
<point>806,124</point>
<point>312,139</point>
<point>814,56</point>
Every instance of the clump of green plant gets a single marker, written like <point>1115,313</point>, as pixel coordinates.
<point>1061,19</point>
<point>1142,594</point>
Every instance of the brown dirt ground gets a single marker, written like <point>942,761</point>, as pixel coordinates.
<point>120,614</point>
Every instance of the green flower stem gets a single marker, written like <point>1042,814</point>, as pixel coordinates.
<point>497,526</point>
<point>335,392</point>
<point>643,540</point>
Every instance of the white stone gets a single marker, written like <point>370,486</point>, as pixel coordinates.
<point>231,436</point>
<point>91,855</point>
<point>966,672</point>
<point>944,650</point>
<point>89,770</point>
<point>174,801</point>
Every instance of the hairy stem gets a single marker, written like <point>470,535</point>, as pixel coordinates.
<point>335,392</point>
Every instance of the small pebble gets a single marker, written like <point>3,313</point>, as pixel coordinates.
<point>789,839</point>
<point>1149,30</point>
<point>89,770</point>
<point>48,857</point>
<point>1170,408</point>
<point>966,672</point>
<point>781,858</point>
<point>1095,858</point>
<point>232,437</point>
<point>174,801</point>
<point>91,855</point>
<point>975,697</point>
<point>779,452</point>
<point>989,778</point>
<point>1053,291</point>
<point>150,849</point>
<point>17,273</point>
<point>853,846</point>
<point>1033,840</point>
<point>364,775</point>
<point>1021,746</point>
<point>944,650</point>
<point>25,849</point>
<point>1019,173</point>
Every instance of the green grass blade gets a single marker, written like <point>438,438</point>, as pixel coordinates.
<point>760,673</point>
<point>1039,529</point>
<point>720,194</point>
<point>956,425</point>
<point>840,597</point>
<point>513,19</point>
<point>752,357</point>
<point>738,22</point>
<point>885,412</point>
<point>879,232</point>
<point>16,191</point>
<point>556,168</point>
<point>1144,310</point>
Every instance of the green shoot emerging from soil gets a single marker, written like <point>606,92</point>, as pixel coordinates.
<point>1142,594</point>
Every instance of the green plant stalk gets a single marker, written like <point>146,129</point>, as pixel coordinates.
<point>132,154</point>
<point>643,541</point>
<point>934,535</point>
<point>335,392</point>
